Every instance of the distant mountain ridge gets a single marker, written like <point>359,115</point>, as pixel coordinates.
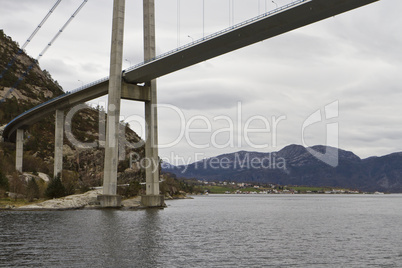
<point>295,165</point>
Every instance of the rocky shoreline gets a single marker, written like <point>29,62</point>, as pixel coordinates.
<point>86,200</point>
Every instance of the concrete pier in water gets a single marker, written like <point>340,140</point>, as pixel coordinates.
<point>109,197</point>
<point>152,197</point>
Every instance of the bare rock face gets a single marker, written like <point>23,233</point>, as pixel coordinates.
<point>44,176</point>
<point>88,199</point>
<point>1,131</point>
<point>68,151</point>
<point>84,165</point>
<point>30,85</point>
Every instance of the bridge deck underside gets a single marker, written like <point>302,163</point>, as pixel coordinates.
<point>266,28</point>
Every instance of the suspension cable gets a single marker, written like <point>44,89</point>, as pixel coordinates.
<point>11,63</point>
<point>41,24</point>
<point>43,52</point>
<point>61,29</point>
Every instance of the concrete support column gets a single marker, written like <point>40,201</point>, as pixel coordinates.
<point>19,152</point>
<point>109,197</point>
<point>151,144</point>
<point>58,143</point>
<point>152,198</point>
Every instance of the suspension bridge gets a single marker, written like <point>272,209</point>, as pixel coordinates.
<point>139,81</point>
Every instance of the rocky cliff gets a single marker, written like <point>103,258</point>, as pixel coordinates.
<point>23,85</point>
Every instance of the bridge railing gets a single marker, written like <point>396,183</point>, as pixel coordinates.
<point>36,107</point>
<point>59,97</point>
<point>221,32</point>
<point>104,79</point>
<point>196,42</point>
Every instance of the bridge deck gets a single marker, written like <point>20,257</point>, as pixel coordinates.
<point>295,15</point>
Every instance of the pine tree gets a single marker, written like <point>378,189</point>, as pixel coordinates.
<point>55,189</point>
<point>4,185</point>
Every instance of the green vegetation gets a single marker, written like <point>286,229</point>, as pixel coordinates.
<point>133,189</point>
<point>174,187</point>
<point>4,185</point>
<point>227,188</point>
<point>10,108</point>
<point>4,202</point>
<point>306,189</point>
<point>71,182</point>
<point>55,188</point>
<point>17,62</point>
<point>222,188</point>
<point>32,190</point>
<point>82,169</point>
<point>217,189</point>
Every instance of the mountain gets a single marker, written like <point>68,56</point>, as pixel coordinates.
<point>295,165</point>
<point>23,84</point>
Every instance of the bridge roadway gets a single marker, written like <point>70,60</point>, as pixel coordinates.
<point>284,19</point>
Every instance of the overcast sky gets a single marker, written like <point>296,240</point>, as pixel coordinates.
<point>354,59</point>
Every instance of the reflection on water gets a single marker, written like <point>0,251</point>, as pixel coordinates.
<point>212,231</point>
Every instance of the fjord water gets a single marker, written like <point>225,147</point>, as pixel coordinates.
<point>212,231</point>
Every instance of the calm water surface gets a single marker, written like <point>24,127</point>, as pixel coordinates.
<point>213,231</point>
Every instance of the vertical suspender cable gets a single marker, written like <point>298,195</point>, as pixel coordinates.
<point>178,23</point>
<point>233,12</point>
<point>230,20</point>
<point>203,18</point>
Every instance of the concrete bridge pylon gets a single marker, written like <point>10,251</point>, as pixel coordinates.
<point>152,197</point>
<point>58,143</point>
<point>109,198</point>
